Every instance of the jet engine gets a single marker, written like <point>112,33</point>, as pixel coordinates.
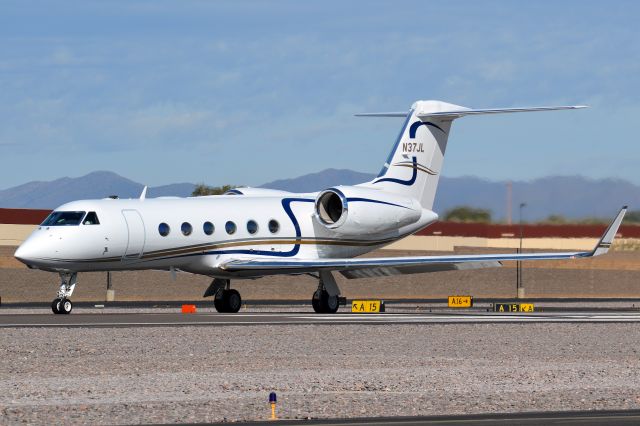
<point>350,210</point>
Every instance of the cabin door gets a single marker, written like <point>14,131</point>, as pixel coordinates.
<point>136,235</point>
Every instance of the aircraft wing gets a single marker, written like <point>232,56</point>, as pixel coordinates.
<point>386,266</point>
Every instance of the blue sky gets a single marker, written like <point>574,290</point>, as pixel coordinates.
<point>247,92</point>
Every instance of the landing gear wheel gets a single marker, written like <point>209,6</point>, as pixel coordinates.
<point>323,303</point>
<point>219,301</point>
<point>227,301</point>
<point>65,306</point>
<point>234,302</point>
<point>55,306</point>
<point>331,304</point>
<point>316,301</point>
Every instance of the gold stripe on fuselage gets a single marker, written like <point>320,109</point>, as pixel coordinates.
<point>201,248</point>
<point>306,241</point>
<point>417,167</point>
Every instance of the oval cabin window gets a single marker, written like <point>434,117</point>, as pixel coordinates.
<point>252,227</point>
<point>164,229</point>
<point>186,228</point>
<point>230,227</point>
<point>208,228</point>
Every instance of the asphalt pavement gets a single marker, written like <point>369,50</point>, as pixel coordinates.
<point>170,319</point>
<point>590,418</point>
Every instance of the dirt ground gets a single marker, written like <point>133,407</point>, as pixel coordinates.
<point>615,275</point>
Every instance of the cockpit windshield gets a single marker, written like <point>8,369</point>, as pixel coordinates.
<point>91,219</point>
<point>63,219</point>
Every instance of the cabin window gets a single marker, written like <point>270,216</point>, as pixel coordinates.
<point>164,229</point>
<point>252,227</point>
<point>63,219</point>
<point>230,227</point>
<point>208,228</point>
<point>91,219</point>
<point>274,226</point>
<point>186,228</point>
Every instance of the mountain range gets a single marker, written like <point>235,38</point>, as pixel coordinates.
<point>570,196</point>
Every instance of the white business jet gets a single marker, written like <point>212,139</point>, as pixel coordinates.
<point>255,232</point>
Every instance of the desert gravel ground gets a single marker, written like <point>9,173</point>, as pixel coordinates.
<point>200,374</point>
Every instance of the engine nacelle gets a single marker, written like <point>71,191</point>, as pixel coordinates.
<point>350,210</point>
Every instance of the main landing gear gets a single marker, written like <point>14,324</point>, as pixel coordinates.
<point>61,304</point>
<point>225,299</point>
<point>326,299</point>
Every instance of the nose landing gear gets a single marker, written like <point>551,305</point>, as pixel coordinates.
<point>61,304</point>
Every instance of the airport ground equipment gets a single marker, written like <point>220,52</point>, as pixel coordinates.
<point>249,233</point>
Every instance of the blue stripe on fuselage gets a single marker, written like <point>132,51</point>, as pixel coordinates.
<point>409,182</point>
<point>286,205</point>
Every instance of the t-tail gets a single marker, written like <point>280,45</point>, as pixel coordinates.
<point>415,162</point>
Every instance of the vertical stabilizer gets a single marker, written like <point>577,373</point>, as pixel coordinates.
<point>414,164</point>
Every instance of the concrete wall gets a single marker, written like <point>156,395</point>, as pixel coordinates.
<point>13,235</point>
<point>442,243</point>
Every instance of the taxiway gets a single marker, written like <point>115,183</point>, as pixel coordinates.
<point>214,319</point>
<point>610,418</point>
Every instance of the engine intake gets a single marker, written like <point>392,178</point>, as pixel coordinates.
<point>331,208</point>
<point>352,210</point>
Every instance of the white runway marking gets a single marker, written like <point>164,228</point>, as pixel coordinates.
<point>215,319</point>
<point>473,318</point>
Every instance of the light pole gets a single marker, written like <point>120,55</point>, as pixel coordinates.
<point>111,294</point>
<point>519,286</point>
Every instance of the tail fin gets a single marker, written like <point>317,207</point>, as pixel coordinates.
<point>414,164</point>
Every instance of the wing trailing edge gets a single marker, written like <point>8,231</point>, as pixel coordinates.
<point>387,266</point>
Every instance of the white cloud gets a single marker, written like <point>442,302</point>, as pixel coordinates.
<point>278,88</point>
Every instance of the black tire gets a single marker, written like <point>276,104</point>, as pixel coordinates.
<point>65,306</point>
<point>331,303</point>
<point>323,303</point>
<point>219,301</point>
<point>316,302</point>
<point>233,301</point>
<point>55,306</point>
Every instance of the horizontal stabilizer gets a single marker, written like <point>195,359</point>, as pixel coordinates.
<point>459,111</point>
<point>467,111</point>
<point>383,114</point>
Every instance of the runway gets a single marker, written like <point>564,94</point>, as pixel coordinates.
<point>215,319</point>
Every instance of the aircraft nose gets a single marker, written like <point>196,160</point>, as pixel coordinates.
<point>25,252</point>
